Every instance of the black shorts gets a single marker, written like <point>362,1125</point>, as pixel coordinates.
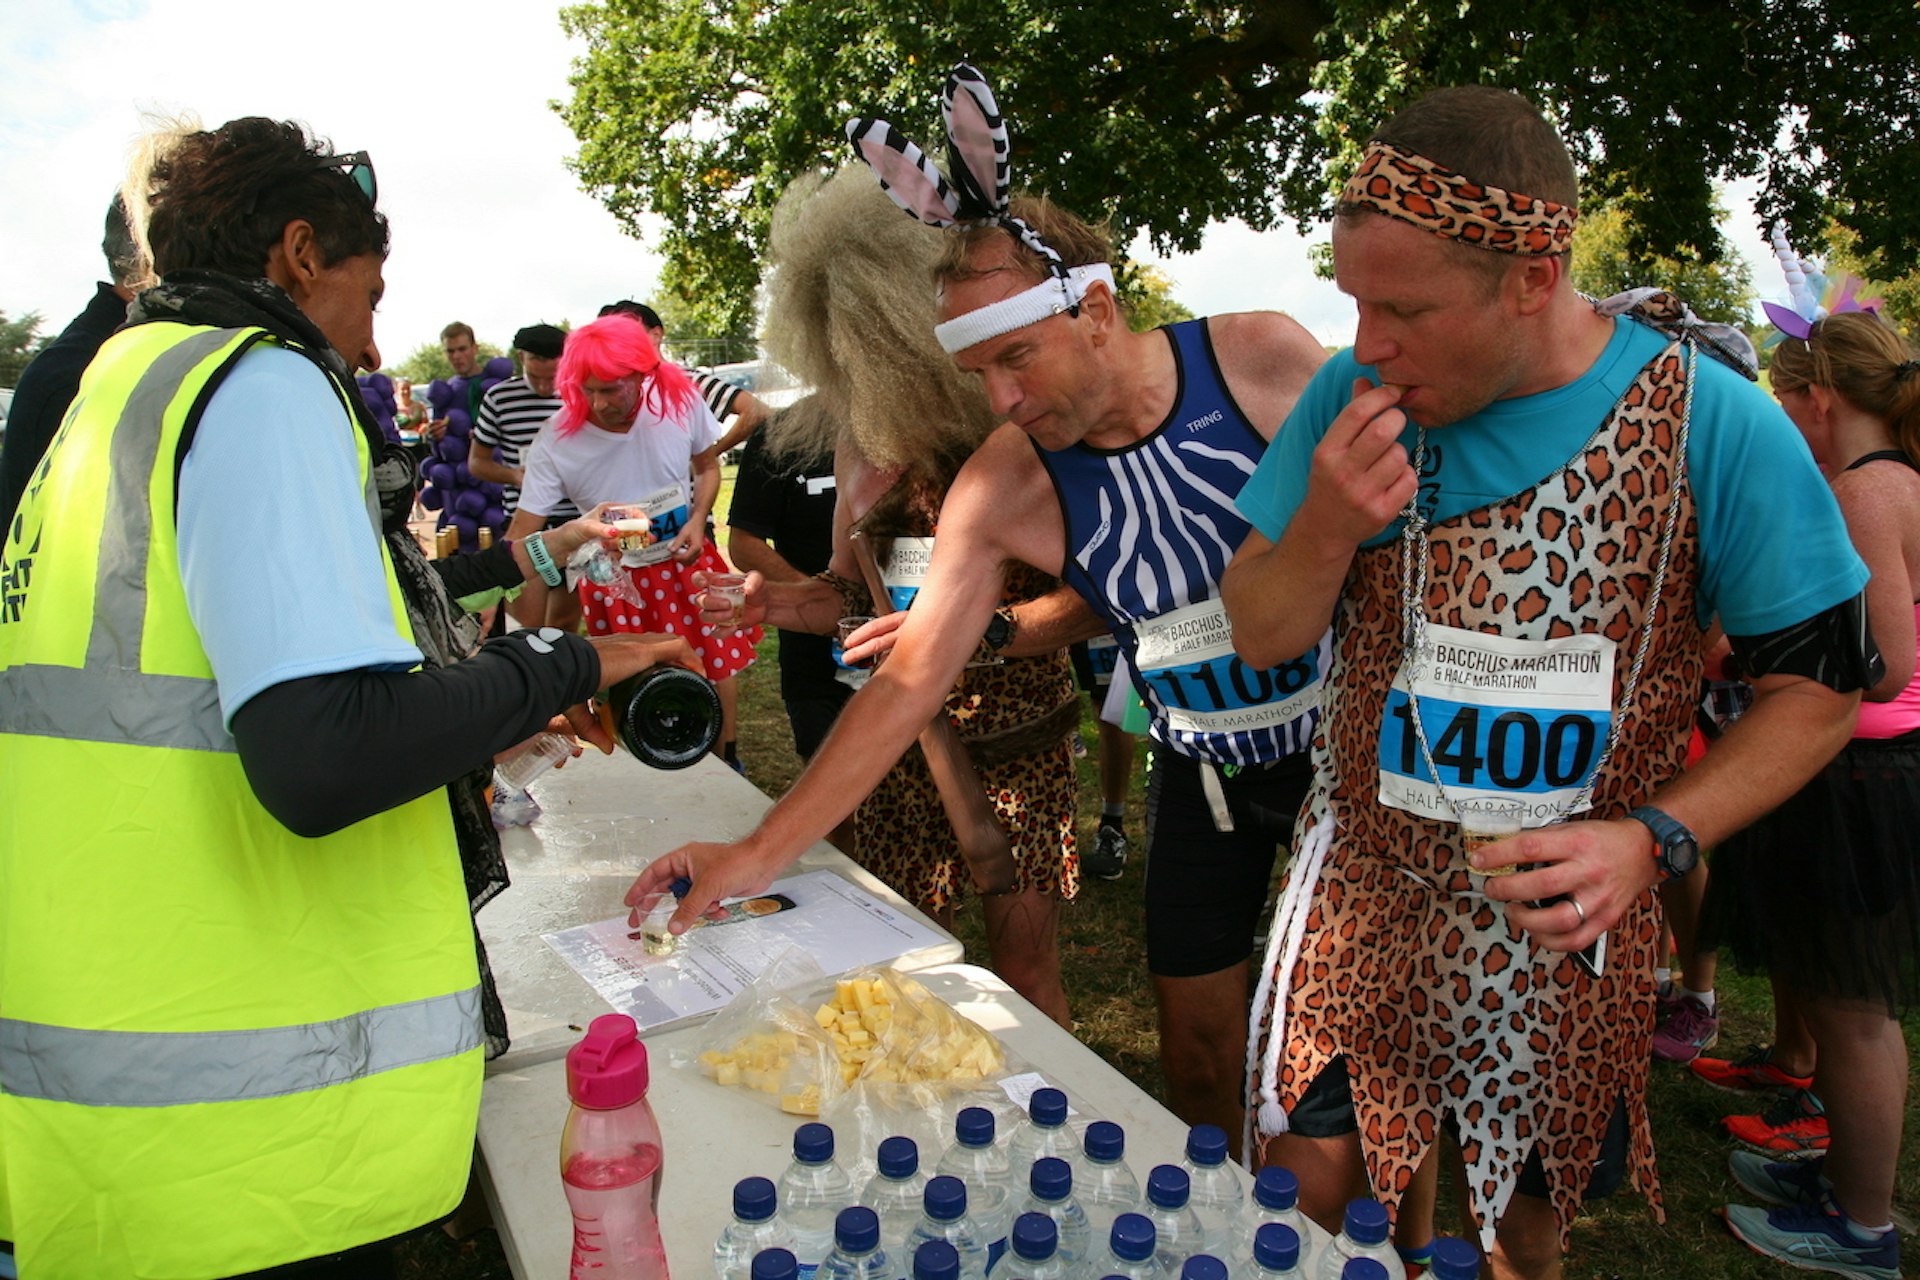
<point>1325,1110</point>
<point>1206,889</point>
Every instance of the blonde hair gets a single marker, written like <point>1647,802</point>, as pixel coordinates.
<point>1858,356</point>
<point>160,138</point>
<point>851,310</point>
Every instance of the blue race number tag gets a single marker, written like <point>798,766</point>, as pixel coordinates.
<point>1187,659</point>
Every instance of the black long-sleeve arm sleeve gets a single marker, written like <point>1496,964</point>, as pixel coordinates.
<point>464,575</point>
<point>324,752</point>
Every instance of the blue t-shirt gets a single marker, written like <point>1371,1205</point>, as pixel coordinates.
<point>280,559</point>
<point>1774,549</point>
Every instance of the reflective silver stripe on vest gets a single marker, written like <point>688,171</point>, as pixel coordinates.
<point>176,1068</point>
<point>125,708</point>
<point>120,598</point>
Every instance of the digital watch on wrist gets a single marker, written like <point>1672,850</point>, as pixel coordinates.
<point>1675,849</point>
<point>1000,630</point>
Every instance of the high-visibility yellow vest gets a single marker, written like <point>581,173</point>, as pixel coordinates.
<point>222,1046</point>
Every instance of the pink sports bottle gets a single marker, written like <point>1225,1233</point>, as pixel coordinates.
<point>610,1157</point>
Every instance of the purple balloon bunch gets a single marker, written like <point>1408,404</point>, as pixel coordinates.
<point>463,500</point>
<point>376,391</point>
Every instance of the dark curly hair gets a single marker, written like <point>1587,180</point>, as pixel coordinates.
<point>218,200</point>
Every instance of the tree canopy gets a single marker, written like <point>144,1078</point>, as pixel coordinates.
<point>20,341</point>
<point>1166,115</point>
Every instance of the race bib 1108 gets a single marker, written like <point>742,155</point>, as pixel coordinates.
<point>1187,659</point>
<point>1502,717</point>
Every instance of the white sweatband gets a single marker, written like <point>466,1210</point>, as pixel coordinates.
<point>1048,298</point>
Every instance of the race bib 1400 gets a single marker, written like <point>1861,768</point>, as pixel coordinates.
<point>1187,659</point>
<point>1502,716</point>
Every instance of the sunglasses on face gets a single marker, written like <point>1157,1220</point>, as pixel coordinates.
<point>359,167</point>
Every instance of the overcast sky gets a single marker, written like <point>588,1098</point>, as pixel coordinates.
<point>451,101</point>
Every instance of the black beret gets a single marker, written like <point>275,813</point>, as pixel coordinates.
<point>543,340</point>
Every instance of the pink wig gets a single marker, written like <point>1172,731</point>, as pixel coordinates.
<point>614,347</point>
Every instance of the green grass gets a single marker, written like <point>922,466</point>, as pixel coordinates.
<point>1104,963</point>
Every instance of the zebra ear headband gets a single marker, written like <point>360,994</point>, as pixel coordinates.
<point>977,151</point>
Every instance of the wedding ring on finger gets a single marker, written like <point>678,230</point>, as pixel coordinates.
<point>1577,908</point>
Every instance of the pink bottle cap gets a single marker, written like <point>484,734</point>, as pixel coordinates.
<point>608,1069</point>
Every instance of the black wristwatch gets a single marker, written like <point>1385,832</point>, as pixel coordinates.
<point>1675,849</point>
<point>1000,630</point>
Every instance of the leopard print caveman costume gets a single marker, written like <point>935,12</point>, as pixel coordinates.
<point>1446,1012</point>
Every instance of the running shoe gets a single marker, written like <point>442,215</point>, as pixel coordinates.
<point>1691,1029</point>
<point>1753,1072</point>
<point>1109,856</point>
<point>1666,1001</point>
<point>1782,1183</point>
<point>1795,1126</point>
<point>1816,1239</point>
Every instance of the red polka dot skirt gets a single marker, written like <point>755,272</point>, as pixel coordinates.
<point>667,606</point>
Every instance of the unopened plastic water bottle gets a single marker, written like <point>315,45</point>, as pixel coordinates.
<point>945,1217</point>
<point>1035,1254</point>
<point>977,1161</point>
<point>1454,1259</point>
<point>756,1227</point>
<point>774,1264</point>
<point>936,1260</point>
<point>1130,1250</point>
<point>1214,1189</point>
<point>813,1191</point>
<point>1107,1188</point>
<point>1276,1253</point>
<point>1276,1198</point>
<point>897,1194</point>
<point>1177,1229</point>
<point>1367,1269</point>
<point>1050,1191</point>
<point>1203,1266</point>
<point>857,1254</point>
<point>1045,1133</point>
<point>610,1157</point>
<point>1364,1235</point>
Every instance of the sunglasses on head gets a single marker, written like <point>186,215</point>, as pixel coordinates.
<point>359,167</point>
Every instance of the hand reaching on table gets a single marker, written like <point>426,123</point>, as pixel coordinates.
<point>718,872</point>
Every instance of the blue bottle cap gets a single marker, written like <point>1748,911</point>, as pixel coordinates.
<point>1276,1246</point>
<point>1106,1141</point>
<point>936,1260</point>
<point>1203,1266</point>
<point>1454,1259</point>
<point>1276,1189</point>
<point>753,1199</point>
<point>945,1198</point>
<point>857,1229</point>
<point>1048,1107</point>
<point>899,1157</point>
<point>1167,1186</point>
<point>1367,1221</point>
<point>680,887</point>
<point>1207,1145</point>
<point>1363,1269</point>
<point>1051,1178</point>
<point>775,1264</point>
<point>1035,1236</point>
<point>1133,1237</point>
<point>813,1143</point>
<point>973,1127</point>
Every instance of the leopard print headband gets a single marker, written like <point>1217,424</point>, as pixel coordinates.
<point>1415,190</point>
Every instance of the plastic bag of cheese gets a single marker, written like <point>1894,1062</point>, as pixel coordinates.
<point>804,1043</point>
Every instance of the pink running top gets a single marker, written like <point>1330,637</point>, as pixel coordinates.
<point>1902,715</point>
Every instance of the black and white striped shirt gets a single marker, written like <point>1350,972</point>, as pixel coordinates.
<point>510,416</point>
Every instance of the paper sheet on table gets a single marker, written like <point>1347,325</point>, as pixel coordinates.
<point>839,924</point>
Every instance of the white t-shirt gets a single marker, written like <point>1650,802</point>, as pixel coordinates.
<point>592,466</point>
